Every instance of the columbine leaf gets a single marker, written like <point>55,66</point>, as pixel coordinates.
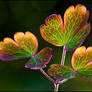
<point>52,30</point>
<point>86,71</point>
<point>78,38</point>
<point>74,18</point>
<point>60,72</point>
<point>72,32</point>
<point>24,46</point>
<point>81,57</point>
<point>40,59</point>
<point>82,62</point>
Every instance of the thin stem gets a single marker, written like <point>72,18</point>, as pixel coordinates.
<point>53,81</point>
<point>56,87</point>
<point>61,82</point>
<point>63,55</point>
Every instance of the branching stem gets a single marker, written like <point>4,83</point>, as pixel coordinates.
<point>56,83</point>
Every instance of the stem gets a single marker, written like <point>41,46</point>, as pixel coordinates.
<point>47,76</point>
<point>63,55</point>
<point>61,82</point>
<point>56,87</point>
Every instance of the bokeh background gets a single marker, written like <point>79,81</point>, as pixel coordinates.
<point>22,16</point>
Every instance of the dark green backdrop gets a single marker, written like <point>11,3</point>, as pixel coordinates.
<point>16,16</point>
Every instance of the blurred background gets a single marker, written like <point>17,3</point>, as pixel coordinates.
<point>22,16</point>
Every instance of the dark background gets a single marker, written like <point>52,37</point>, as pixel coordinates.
<point>22,16</point>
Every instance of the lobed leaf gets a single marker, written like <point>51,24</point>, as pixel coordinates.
<point>40,60</point>
<point>72,32</point>
<point>81,57</point>
<point>61,72</point>
<point>52,31</point>
<point>86,71</point>
<point>78,38</point>
<point>24,46</point>
<point>74,19</point>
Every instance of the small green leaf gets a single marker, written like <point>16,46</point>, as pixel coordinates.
<point>86,71</point>
<point>40,60</point>
<point>60,72</point>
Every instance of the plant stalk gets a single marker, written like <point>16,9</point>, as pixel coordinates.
<point>63,55</point>
<point>56,87</point>
<point>53,81</point>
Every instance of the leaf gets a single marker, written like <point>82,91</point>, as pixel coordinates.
<point>82,62</point>
<point>72,32</point>
<point>86,71</point>
<point>52,30</point>
<point>74,18</point>
<point>81,57</point>
<point>61,72</point>
<point>24,46</point>
<point>79,37</point>
<point>40,60</point>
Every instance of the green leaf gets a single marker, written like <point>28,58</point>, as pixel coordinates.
<point>71,32</point>
<point>40,60</point>
<point>60,72</point>
<point>78,38</point>
<point>82,62</point>
<point>81,57</point>
<point>24,46</point>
